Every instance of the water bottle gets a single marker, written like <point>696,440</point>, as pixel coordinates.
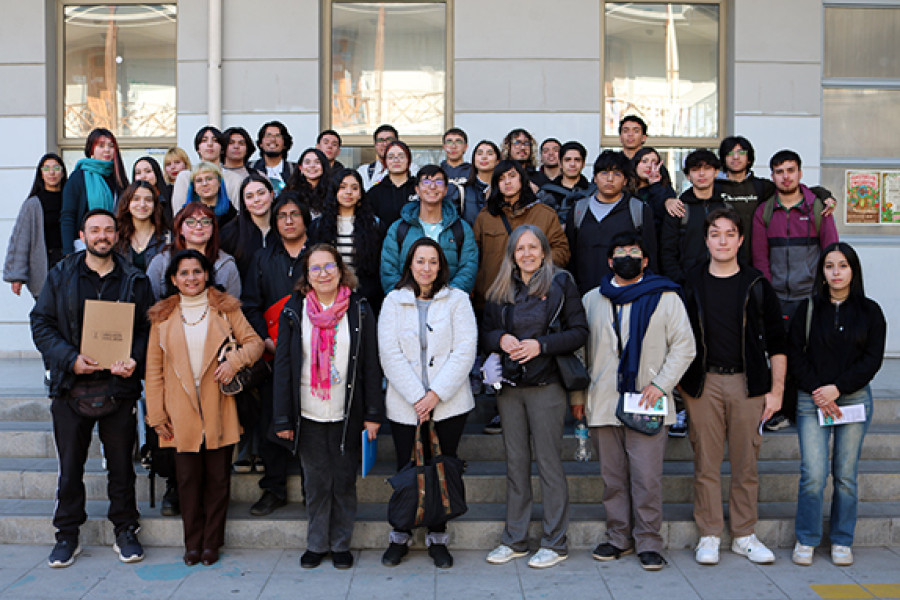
<point>583,451</point>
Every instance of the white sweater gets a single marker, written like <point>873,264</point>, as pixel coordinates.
<point>452,339</point>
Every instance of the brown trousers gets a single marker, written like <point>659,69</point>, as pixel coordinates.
<point>204,488</point>
<point>724,412</point>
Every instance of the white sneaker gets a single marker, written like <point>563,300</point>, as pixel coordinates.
<point>802,555</point>
<point>841,556</point>
<point>502,554</point>
<point>708,550</point>
<point>753,549</point>
<point>545,557</point>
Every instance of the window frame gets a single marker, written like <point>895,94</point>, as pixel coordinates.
<point>364,141</point>
<point>722,83</point>
<point>70,143</point>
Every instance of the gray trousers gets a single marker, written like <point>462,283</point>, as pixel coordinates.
<point>330,486</point>
<point>534,413</point>
<point>631,465</point>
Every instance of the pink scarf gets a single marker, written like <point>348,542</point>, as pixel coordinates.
<point>324,322</point>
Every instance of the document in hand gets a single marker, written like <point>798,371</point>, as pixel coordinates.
<point>852,413</point>
<point>633,405</point>
<point>106,331</point>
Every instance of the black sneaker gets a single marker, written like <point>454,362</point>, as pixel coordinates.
<point>128,547</point>
<point>777,423</point>
<point>171,506</point>
<point>680,428</point>
<point>607,551</point>
<point>440,555</point>
<point>64,553</point>
<point>652,561</point>
<point>342,560</point>
<point>394,554</point>
<point>494,426</point>
<point>267,503</point>
<point>311,560</point>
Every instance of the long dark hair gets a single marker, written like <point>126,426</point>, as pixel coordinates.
<point>855,328</point>
<point>495,201</point>
<point>124,218</point>
<point>120,177</point>
<point>175,262</point>
<point>407,279</point>
<point>473,171</point>
<point>665,179</point>
<point>314,197</point>
<point>38,185</point>
<point>366,232</point>
<point>244,227</point>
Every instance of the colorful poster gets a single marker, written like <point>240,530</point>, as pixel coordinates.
<point>862,193</point>
<point>890,196</point>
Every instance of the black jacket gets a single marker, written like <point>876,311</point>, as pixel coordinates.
<point>287,168</point>
<point>243,250</point>
<point>655,196</point>
<point>542,369</point>
<point>364,400</point>
<point>270,277</point>
<point>388,200</point>
<point>562,199</point>
<point>763,332</point>
<point>845,346</point>
<point>683,244</point>
<point>56,322</point>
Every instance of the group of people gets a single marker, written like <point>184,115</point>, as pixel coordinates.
<point>273,300</point>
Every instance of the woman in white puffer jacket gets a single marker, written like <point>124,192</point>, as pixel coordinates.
<point>426,340</point>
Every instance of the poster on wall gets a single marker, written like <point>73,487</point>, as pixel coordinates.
<point>890,197</point>
<point>862,195</point>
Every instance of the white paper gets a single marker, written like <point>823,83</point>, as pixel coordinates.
<point>852,413</point>
<point>633,405</point>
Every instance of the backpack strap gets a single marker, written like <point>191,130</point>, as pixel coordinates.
<point>768,210</point>
<point>580,209</point>
<point>636,207</point>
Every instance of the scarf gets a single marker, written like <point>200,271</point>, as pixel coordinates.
<point>324,322</point>
<point>222,202</point>
<point>95,173</point>
<point>644,298</point>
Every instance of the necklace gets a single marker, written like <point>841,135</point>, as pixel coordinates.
<point>197,322</point>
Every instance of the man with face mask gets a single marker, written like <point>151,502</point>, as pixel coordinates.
<point>640,342</point>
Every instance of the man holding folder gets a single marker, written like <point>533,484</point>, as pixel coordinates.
<point>87,389</point>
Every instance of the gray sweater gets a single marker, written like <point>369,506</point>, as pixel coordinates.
<point>26,256</point>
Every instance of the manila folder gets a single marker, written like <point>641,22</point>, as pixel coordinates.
<point>107,330</point>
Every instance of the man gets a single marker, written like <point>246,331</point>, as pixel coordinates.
<point>434,216</point>
<point>549,169</point>
<point>270,279</point>
<point>238,149</point>
<point>596,219</point>
<point>570,185</point>
<point>210,144</point>
<point>274,143</point>
<point>640,342</point>
<point>790,230</point>
<point>455,143</point>
<point>330,142</point>
<point>682,242</point>
<point>376,170</point>
<point>632,134</point>
<point>734,384</point>
<point>518,145</point>
<point>96,273</point>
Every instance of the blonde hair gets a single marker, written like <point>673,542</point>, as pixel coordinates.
<point>175,153</point>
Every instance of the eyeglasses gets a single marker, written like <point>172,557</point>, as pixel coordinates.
<point>202,222</point>
<point>432,183</point>
<point>327,268</point>
<point>521,143</point>
<point>203,180</point>
<point>737,153</point>
<point>632,252</point>
<point>454,143</point>
<point>273,136</point>
<point>53,169</point>
<point>284,216</point>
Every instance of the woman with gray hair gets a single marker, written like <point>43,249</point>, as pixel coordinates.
<point>528,294</point>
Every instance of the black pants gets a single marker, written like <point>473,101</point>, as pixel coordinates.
<point>789,398</point>
<point>274,456</point>
<point>204,486</point>
<point>72,434</point>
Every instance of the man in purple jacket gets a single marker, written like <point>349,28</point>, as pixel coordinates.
<point>789,233</point>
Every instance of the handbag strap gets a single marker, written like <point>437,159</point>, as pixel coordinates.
<point>420,474</point>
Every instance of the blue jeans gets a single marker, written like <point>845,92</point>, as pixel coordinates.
<point>814,467</point>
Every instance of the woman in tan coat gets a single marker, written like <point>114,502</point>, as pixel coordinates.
<point>184,403</point>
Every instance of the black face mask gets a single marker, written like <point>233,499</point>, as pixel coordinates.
<point>627,267</point>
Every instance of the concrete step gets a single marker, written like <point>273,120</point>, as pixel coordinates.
<point>29,522</point>
<point>879,481</point>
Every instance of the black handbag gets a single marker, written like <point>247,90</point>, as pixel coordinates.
<point>427,494</point>
<point>247,377</point>
<point>92,398</point>
<point>572,372</point>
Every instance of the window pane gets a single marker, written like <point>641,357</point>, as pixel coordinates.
<point>862,123</point>
<point>388,66</point>
<point>120,70</point>
<point>862,42</point>
<point>661,61</point>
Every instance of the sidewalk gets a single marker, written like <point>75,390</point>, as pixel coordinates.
<point>275,574</point>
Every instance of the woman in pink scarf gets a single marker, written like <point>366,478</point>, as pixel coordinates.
<point>327,389</point>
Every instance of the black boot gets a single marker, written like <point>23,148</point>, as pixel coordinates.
<point>171,507</point>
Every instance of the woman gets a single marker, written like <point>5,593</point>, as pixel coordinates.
<point>174,162</point>
<point>349,224</point>
<point>327,388</point>
<point>521,303</point>
<point>392,193</point>
<point>185,406</point>
<point>511,203</point>
<point>426,339</point>
<point>252,230</point>
<point>654,185</point>
<point>196,228</point>
<point>311,180</point>
<point>836,347</point>
<point>239,147</point>
<point>97,182</point>
<point>484,158</point>
<point>142,229</point>
<point>35,244</point>
<point>208,186</point>
<point>147,169</point>
<point>209,143</point>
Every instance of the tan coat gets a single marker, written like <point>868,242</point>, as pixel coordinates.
<point>171,394</point>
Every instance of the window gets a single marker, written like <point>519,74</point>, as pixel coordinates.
<point>118,72</point>
<point>860,123</point>
<point>664,62</point>
<point>388,64</point>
